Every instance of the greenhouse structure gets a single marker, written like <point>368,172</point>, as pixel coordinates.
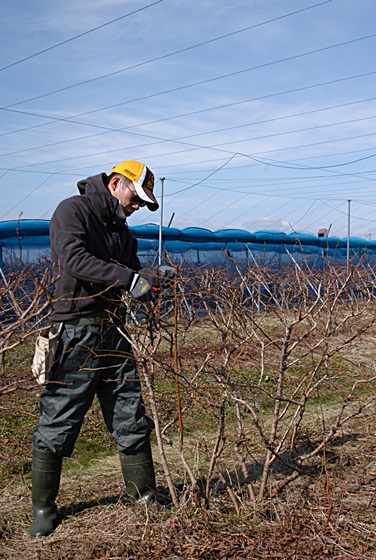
<point>28,240</point>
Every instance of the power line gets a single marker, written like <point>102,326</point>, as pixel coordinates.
<point>254,157</point>
<point>126,129</point>
<point>258,183</point>
<point>284,117</point>
<point>316,177</point>
<point>222,210</point>
<point>208,80</point>
<point>190,187</point>
<point>255,164</point>
<point>170,54</point>
<point>243,125</point>
<point>288,202</point>
<point>253,207</point>
<point>77,36</point>
<point>304,215</point>
<point>179,140</point>
<point>27,196</point>
<point>259,220</point>
<point>227,105</point>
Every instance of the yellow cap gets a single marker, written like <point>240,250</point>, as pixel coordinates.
<point>142,179</point>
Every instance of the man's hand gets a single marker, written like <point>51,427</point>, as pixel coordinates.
<point>151,275</point>
<point>159,276</point>
<point>165,271</point>
<point>141,289</point>
<point>166,274</point>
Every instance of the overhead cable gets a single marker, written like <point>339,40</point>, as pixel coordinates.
<point>171,54</point>
<point>47,49</point>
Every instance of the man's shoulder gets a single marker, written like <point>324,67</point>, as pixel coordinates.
<point>71,200</point>
<point>75,202</point>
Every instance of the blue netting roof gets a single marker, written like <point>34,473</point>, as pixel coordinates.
<point>29,234</point>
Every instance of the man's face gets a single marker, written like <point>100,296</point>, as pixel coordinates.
<point>127,196</point>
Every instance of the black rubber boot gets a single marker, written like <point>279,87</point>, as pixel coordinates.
<point>138,474</point>
<point>46,471</point>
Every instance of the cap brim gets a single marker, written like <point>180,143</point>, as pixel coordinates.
<point>147,195</point>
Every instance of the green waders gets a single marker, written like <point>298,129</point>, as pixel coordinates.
<point>138,474</point>
<point>46,471</point>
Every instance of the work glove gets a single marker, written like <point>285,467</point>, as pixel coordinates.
<point>158,276</point>
<point>151,275</point>
<point>166,275</point>
<point>141,289</point>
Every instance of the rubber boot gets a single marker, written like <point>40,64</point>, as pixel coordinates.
<point>138,474</point>
<point>46,471</point>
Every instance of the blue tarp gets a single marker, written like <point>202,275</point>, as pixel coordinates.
<point>33,234</point>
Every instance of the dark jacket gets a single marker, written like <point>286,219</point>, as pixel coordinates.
<point>93,251</point>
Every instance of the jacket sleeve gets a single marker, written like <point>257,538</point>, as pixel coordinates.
<point>69,250</point>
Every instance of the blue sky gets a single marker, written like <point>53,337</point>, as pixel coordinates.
<point>259,114</point>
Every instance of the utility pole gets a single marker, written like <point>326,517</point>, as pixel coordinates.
<point>160,246</point>
<point>348,235</point>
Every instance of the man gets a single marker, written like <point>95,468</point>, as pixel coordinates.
<point>95,258</point>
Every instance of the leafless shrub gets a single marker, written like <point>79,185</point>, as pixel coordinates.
<point>261,363</point>
<point>249,374</point>
<point>25,297</point>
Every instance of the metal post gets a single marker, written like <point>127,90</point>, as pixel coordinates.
<point>348,236</point>
<point>299,268</point>
<point>172,217</point>
<point>11,294</point>
<point>160,246</point>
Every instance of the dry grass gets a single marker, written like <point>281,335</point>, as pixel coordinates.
<point>330,515</point>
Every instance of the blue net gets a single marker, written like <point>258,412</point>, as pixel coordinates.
<point>28,240</point>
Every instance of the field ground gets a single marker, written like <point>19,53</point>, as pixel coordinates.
<point>331,515</point>
<point>328,515</point>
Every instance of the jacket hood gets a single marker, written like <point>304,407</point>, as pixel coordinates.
<point>99,198</point>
